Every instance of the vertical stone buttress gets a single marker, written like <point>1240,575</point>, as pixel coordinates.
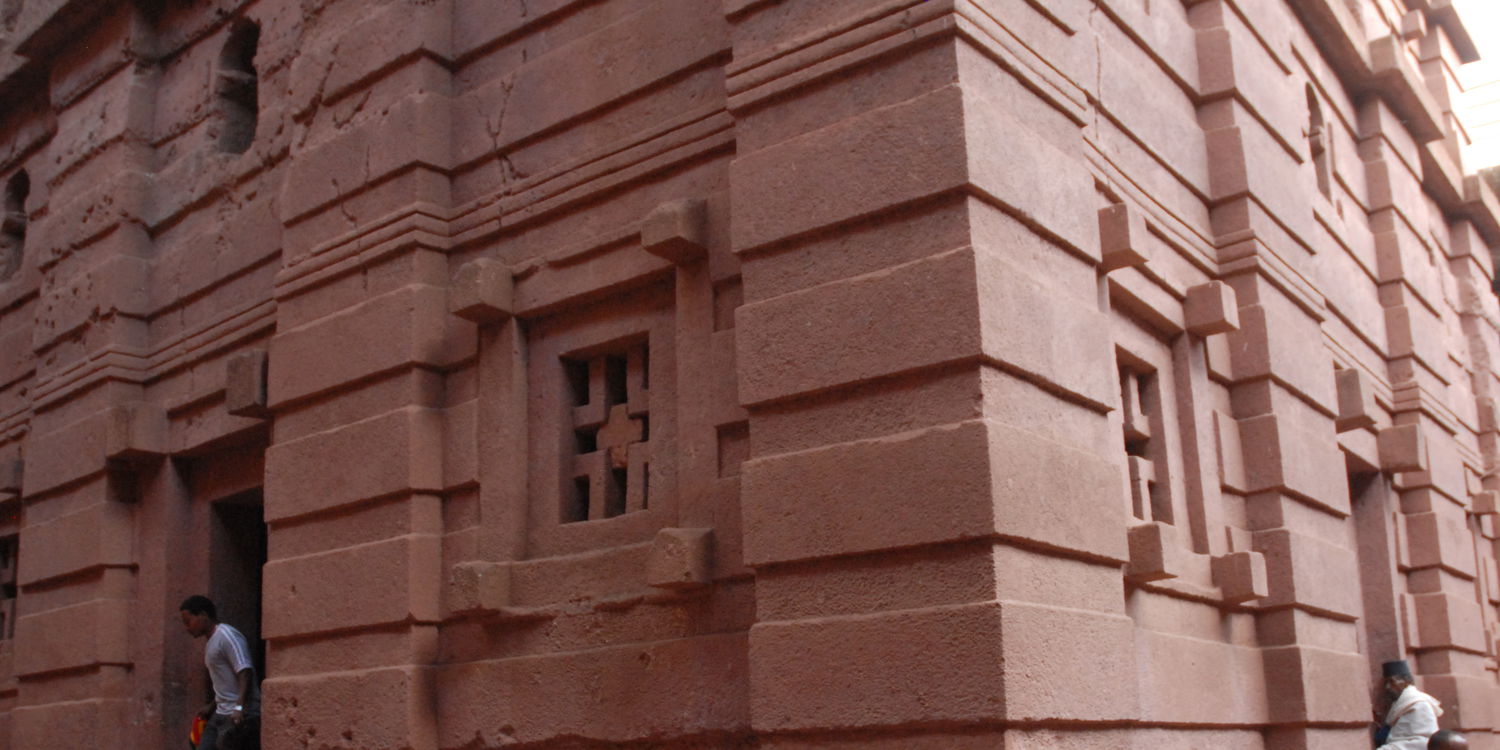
<point>355,468</point>
<point>91,435</point>
<point>919,353</point>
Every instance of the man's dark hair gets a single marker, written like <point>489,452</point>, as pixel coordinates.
<point>197,604</point>
<point>1445,739</point>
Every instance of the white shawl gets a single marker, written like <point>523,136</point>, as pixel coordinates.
<point>1412,719</point>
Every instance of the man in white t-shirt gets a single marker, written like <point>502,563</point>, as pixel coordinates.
<point>233,713</point>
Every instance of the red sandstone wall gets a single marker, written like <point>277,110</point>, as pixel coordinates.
<point>748,373</point>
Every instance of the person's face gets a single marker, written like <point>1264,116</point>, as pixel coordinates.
<point>197,626</point>
<point>1394,685</point>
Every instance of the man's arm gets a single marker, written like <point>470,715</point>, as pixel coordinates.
<point>242,685</point>
<point>209,700</point>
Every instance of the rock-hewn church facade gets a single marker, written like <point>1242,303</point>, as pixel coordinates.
<point>1018,374</point>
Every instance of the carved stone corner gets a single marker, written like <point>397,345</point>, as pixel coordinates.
<point>1211,308</point>
<point>1241,576</point>
<point>1122,237</point>
<point>1155,553</point>
<point>1413,25</point>
<point>479,588</point>
<point>681,559</point>
<point>677,231</point>
<point>483,291</point>
<point>1485,503</point>
<point>1357,405</point>
<point>1402,448</point>
<point>245,384</point>
<point>135,431</point>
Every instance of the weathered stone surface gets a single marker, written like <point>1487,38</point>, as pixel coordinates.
<point>747,374</point>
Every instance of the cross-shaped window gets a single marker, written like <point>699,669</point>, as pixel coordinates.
<point>611,433</point>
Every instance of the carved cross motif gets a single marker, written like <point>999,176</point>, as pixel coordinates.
<point>619,432</point>
<point>611,433</point>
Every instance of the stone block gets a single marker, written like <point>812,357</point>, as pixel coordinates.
<point>1211,308</point>
<point>1241,576</point>
<point>796,506</point>
<point>636,694</point>
<point>1308,571</point>
<point>1485,503</point>
<point>65,725</point>
<point>1357,405</point>
<point>1030,325</point>
<point>1305,684</point>
<point>1281,454</point>
<point>1122,237</point>
<point>135,431</point>
<point>1155,553</point>
<point>1447,621</point>
<point>826,337</point>
<point>245,384</point>
<point>1402,448</point>
<point>1413,25</point>
<point>66,454</point>
<point>996,479</point>
<point>409,326</point>
<point>483,292</point>
<point>384,708</point>
<point>1048,651</point>
<point>677,231</point>
<point>479,587</point>
<point>681,559</point>
<point>1440,538</point>
<point>82,635</point>
<point>99,535</point>
<point>941,664</point>
<point>865,164</point>
<point>1277,339</point>
<point>1175,688</point>
<point>391,454</point>
<point>395,581</point>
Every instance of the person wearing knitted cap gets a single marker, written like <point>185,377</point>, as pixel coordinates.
<point>1413,715</point>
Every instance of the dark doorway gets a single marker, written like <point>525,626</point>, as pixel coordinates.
<point>237,553</point>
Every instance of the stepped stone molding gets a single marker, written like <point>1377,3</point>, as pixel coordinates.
<point>746,373</point>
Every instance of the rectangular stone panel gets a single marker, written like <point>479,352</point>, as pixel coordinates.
<point>634,693</point>
<point>1044,333</point>
<point>1447,621</point>
<point>1280,454</point>
<point>1278,339</point>
<point>82,635</point>
<point>377,709</point>
<point>1177,689</point>
<point>882,158</point>
<point>1441,538</point>
<point>406,327</point>
<point>1305,684</point>
<point>860,328</point>
<point>869,495</point>
<point>381,583</point>
<point>995,480</point>
<point>71,724</point>
<point>1028,173</point>
<point>393,453</point>
<point>1308,571</point>
<point>1048,652</point>
<point>101,534</point>
<point>943,664</point>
